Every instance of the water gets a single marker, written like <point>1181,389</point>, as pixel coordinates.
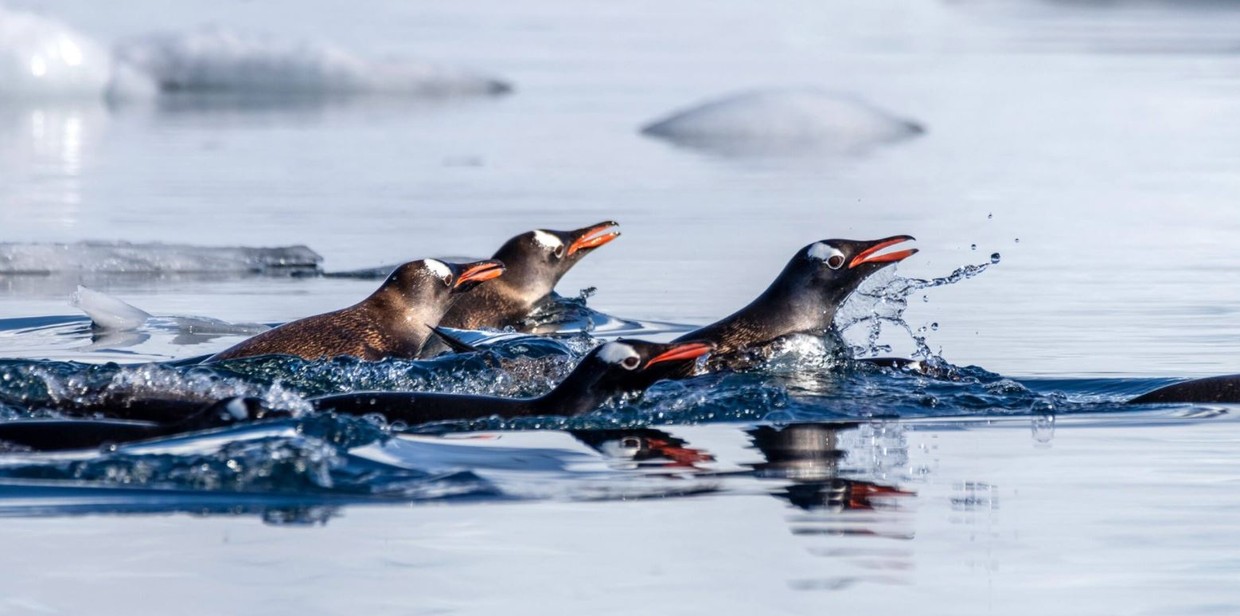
<point>1102,136</point>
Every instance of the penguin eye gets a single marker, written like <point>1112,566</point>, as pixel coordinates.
<point>822,251</point>
<point>631,362</point>
<point>447,280</point>
<point>559,252</point>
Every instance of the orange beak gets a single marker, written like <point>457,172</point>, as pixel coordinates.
<point>870,255</point>
<point>593,237</point>
<point>688,350</point>
<point>479,272</point>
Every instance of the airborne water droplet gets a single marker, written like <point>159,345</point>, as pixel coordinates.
<point>972,246</point>
<point>1018,240</point>
<point>990,215</point>
<point>934,327</point>
<point>994,257</point>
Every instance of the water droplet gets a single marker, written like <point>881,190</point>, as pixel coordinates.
<point>994,257</point>
<point>925,298</point>
<point>972,246</point>
<point>1018,240</point>
<point>934,327</point>
<point>989,216</point>
<point>1042,424</point>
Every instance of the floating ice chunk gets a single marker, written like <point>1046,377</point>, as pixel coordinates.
<point>127,258</point>
<point>114,315</point>
<point>784,119</point>
<point>226,61</point>
<point>107,312</point>
<point>42,58</point>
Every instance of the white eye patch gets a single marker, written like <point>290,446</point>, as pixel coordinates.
<point>439,268</point>
<point>617,352</point>
<point>826,253</point>
<point>547,240</point>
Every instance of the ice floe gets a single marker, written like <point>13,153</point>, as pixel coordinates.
<point>783,120</point>
<point>152,258</point>
<point>42,58</point>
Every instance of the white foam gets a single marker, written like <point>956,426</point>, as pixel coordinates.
<point>823,251</point>
<point>547,240</point>
<point>43,58</point>
<point>783,118</point>
<point>616,352</point>
<point>439,268</point>
<point>222,60</point>
<point>107,312</point>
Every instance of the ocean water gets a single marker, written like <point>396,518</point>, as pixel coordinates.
<point>1092,146</point>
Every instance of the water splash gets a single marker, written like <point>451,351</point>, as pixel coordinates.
<point>883,300</point>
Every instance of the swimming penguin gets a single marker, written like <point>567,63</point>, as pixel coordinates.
<point>535,262</point>
<point>804,297</point>
<point>394,321</point>
<point>66,434</point>
<point>1215,389</point>
<point>610,369</point>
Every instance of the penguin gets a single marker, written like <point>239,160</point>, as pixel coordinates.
<point>535,262</point>
<point>609,369</point>
<point>802,300</point>
<point>67,434</point>
<point>805,295</point>
<point>1215,389</point>
<point>394,321</point>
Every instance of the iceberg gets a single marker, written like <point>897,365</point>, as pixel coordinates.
<point>783,120</point>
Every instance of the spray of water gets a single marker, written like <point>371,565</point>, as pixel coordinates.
<point>882,301</point>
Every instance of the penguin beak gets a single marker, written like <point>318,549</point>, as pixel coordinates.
<point>593,236</point>
<point>871,254</point>
<point>478,272</point>
<point>688,350</point>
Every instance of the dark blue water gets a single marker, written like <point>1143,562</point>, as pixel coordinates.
<point>302,468</point>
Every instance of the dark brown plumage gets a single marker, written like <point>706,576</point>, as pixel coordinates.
<point>394,321</point>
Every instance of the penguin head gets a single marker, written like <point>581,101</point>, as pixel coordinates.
<point>633,365</point>
<point>538,259</point>
<point>832,269</point>
<point>432,282</point>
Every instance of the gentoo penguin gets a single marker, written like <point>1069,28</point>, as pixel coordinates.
<point>1215,389</point>
<point>65,434</point>
<point>394,321</point>
<point>804,297</point>
<point>610,369</point>
<point>535,262</point>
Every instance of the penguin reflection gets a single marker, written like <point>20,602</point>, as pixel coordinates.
<point>645,448</point>
<point>809,456</point>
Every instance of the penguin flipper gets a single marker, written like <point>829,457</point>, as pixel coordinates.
<point>456,344</point>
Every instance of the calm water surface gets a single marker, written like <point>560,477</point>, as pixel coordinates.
<point>1094,147</point>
